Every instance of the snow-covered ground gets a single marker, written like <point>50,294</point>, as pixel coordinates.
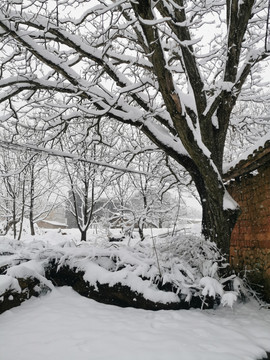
<point>63,325</point>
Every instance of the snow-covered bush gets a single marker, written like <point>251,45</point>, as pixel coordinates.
<point>168,270</point>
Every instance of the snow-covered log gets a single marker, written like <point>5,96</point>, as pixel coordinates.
<point>119,294</point>
<point>15,291</point>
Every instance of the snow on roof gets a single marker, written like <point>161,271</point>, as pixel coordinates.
<point>256,156</point>
<point>56,223</point>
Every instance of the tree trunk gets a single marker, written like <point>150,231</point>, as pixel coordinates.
<point>218,223</point>
<point>32,228</point>
<point>83,234</point>
<point>219,210</point>
<point>23,207</point>
<point>140,229</point>
<point>14,221</point>
<point>31,210</point>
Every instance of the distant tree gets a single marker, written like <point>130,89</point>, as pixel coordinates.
<point>120,192</point>
<point>42,193</point>
<point>141,199</point>
<point>173,69</point>
<point>150,199</point>
<point>250,121</point>
<point>87,181</point>
<point>13,179</point>
<point>27,189</point>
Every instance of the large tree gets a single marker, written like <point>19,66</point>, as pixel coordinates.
<point>173,68</point>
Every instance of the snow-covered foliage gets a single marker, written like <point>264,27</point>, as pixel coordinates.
<point>163,270</point>
<point>8,283</point>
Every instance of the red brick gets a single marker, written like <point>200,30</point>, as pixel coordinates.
<point>252,229</point>
<point>265,244</point>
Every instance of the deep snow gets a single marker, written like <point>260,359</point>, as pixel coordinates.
<point>65,326</point>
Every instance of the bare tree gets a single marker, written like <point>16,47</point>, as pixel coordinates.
<point>143,63</point>
<point>140,199</point>
<point>13,169</point>
<point>150,198</point>
<point>28,189</point>
<point>87,181</point>
<point>42,194</point>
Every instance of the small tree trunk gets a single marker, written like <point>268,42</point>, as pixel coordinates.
<point>32,228</point>
<point>14,222</point>
<point>141,233</point>
<point>23,206</point>
<point>83,235</point>
<point>31,210</point>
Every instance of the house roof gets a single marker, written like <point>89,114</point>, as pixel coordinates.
<point>251,161</point>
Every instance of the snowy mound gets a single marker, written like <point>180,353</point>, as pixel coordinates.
<point>175,272</point>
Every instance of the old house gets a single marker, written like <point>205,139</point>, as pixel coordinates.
<point>54,220</point>
<point>249,184</point>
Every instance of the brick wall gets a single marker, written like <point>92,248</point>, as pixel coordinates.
<point>250,242</point>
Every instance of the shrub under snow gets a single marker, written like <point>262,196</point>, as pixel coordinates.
<point>171,270</point>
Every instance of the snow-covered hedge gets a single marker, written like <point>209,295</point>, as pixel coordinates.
<point>171,270</point>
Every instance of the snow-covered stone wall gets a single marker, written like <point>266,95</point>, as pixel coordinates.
<point>250,242</point>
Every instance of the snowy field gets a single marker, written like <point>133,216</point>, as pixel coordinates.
<point>63,325</point>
